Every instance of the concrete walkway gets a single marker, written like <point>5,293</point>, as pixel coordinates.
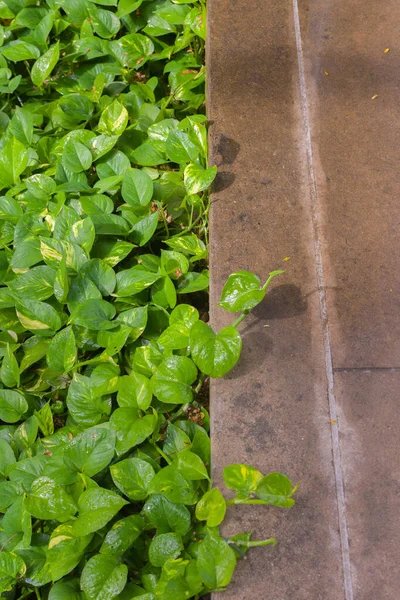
<point>304,103</point>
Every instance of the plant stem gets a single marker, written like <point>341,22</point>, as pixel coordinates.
<point>165,457</point>
<point>264,287</point>
<point>255,544</point>
<point>92,361</point>
<point>272,275</point>
<point>25,594</point>
<point>241,318</point>
<point>245,501</point>
<point>200,383</point>
<point>180,412</point>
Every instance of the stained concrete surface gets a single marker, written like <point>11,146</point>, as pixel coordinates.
<point>308,170</point>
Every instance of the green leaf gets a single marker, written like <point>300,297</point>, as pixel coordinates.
<point>142,231</point>
<point>90,451</point>
<point>167,516</point>
<point>197,19</point>
<point>173,486</point>
<point>102,144</point>
<point>62,353</point>
<point>105,23</point>
<point>132,476</point>
<point>134,280</point>
<point>76,157</point>
<point>188,244</point>
<point>211,508</point>
<point>163,292</point>
<point>215,354</point>
<point>172,380</point>
<point>65,551</point>
<point>13,162</point>
<point>137,48</point>
<point>68,589</point>
<point>160,131</point>
<point>41,186</point>
<point>176,440</point>
<point>216,562</point>
<point>193,282</point>
<point>37,283</point>
<point>128,6</point>
<point>242,478</point>
<point>9,493</point>
<point>164,547</point>
<point>44,418</point>
<point>137,188</point>
<point>21,127</point>
<point>241,292</point>
<point>10,209</point>
<point>12,406</point>
<point>175,337</point>
<point>97,506</point>
<point>130,428</point>
<point>136,319</point>
<point>77,107</point>
<point>103,578</point>
<point>9,372</point>
<point>112,252</point>
<point>45,64</point>
<point>19,50</point>
<point>180,148</point>
<point>16,523</point>
<point>85,404</point>
<point>25,471</point>
<point>94,314</point>
<point>172,583</point>
<point>101,274</point>
<point>12,568</point>
<point>113,340</point>
<point>134,391</point>
<point>53,252</point>
<point>174,263</point>
<point>34,348</point>
<point>276,489</point>
<point>25,434</point>
<point>114,118</point>
<point>110,225</point>
<point>197,179</point>
<point>7,457</point>
<point>38,317</point>
<point>83,233</point>
<point>191,466</point>
<point>122,535</point>
<point>114,164</point>
<point>148,155</point>
<point>184,314</point>
<point>48,500</point>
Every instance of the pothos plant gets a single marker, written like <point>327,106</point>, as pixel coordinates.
<point>105,485</point>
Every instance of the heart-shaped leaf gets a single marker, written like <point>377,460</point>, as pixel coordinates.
<point>103,578</point>
<point>241,292</point>
<point>137,188</point>
<point>172,380</point>
<point>215,354</point>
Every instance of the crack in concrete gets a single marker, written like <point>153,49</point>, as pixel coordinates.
<point>337,462</point>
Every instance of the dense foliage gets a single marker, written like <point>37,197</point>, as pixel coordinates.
<point>104,448</point>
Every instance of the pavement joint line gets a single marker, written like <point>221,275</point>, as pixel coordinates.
<point>337,462</point>
<point>366,369</point>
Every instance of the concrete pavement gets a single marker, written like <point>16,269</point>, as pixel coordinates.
<point>305,128</point>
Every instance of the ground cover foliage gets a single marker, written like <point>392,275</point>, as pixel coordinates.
<point>105,485</point>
